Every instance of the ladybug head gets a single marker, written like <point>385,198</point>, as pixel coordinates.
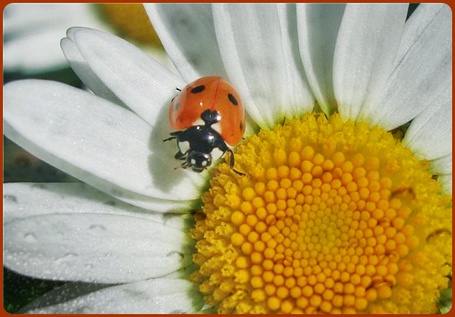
<point>198,161</point>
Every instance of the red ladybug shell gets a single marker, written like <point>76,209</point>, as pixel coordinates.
<point>213,93</point>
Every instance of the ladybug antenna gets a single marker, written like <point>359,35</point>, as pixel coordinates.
<point>210,117</point>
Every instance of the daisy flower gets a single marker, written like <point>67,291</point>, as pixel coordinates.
<point>345,205</point>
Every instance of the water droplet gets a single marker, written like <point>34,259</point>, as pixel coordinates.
<point>97,228</point>
<point>173,253</point>
<point>10,198</point>
<point>30,237</point>
<point>68,257</point>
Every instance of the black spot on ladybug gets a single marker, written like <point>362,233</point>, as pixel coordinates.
<point>232,99</point>
<point>241,125</point>
<point>197,89</point>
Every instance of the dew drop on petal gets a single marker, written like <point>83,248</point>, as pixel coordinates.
<point>30,237</point>
<point>10,198</point>
<point>67,258</point>
<point>98,228</point>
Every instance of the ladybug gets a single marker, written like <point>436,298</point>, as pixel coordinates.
<point>208,114</point>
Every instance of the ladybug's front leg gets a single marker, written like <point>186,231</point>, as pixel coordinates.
<point>174,135</point>
<point>180,156</point>
<point>232,162</point>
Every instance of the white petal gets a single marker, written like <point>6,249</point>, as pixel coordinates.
<point>18,18</point>
<point>156,296</point>
<point>22,200</point>
<point>33,32</point>
<point>366,48</point>
<point>46,55</point>
<point>91,139</point>
<point>260,55</point>
<point>430,133</point>
<point>442,166</point>
<point>85,73</point>
<point>299,98</point>
<point>22,18</point>
<point>446,181</point>
<point>134,77</point>
<point>423,68</point>
<point>318,26</point>
<point>93,247</point>
<point>187,34</point>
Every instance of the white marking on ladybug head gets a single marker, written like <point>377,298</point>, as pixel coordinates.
<point>198,122</point>
<point>216,153</point>
<point>216,127</point>
<point>193,162</point>
<point>184,146</point>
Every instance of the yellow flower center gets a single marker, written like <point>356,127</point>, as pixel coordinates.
<point>131,21</point>
<point>331,217</point>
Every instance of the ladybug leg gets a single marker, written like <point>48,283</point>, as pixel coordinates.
<point>180,156</point>
<point>232,162</point>
<point>174,135</point>
<point>231,158</point>
<point>184,165</point>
